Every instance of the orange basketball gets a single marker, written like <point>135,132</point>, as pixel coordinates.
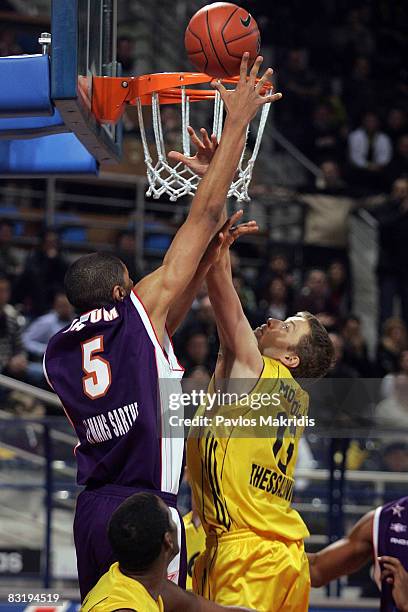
<point>217,37</point>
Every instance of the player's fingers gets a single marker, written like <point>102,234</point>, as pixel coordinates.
<point>178,157</point>
<point>236,216</point>
<point>195,139</point>
<point>214,142</point>
<point>243,70</point>
<point>206,140</point>
<point>244,229</point>
<point>220,87</point>
<point>266,76</point>
<point>392,561</point>
<point>246,224</point>
<point>270,99</point>
<point>255,69</point>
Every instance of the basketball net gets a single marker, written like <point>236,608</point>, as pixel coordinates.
<point>178,181</point>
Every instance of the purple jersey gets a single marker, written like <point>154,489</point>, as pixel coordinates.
<point>390,537</point>
<point>114,380</point>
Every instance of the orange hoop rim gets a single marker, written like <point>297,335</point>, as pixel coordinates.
<point>169,86</point>
<point>111,94</point>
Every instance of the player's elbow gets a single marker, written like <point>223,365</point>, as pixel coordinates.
<point>316,580</point>
<point>316,577</point>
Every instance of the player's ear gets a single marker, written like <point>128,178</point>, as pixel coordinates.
<point>118,293</point>
<point>168,542</point>
<point>290,360</point>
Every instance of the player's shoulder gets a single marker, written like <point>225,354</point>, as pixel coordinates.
<point>397,508</point>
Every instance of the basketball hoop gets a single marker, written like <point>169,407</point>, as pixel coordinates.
<point>155,90</point>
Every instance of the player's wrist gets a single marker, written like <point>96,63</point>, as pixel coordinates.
<point>236,122</point>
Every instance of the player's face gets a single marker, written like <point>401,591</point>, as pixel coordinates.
<point>275,338</point>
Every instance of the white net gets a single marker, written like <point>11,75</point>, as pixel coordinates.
<point>178,180</point>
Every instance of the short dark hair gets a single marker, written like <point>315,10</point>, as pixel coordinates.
<point>315,350</point>
<point>90,279</point>
<point>136,531</point>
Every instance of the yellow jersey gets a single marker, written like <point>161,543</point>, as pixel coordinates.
<point>195,544</point>
<point>115,591</point>
<point>241,482</point>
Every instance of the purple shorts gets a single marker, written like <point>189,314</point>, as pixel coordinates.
<point>94,509</point>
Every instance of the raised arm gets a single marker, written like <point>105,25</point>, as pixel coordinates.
<point>345,556</point>
<point>161,288</point>
<point>237,340</point>
<point>222,239</point>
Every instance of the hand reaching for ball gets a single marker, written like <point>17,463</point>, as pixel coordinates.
<point>244,101</point>
<point>241,103</point>
<point>206,147</point>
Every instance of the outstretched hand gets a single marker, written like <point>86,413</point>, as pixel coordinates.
<point>226,237</point>
<point>394,574</point>
<point>243,102</point>
<point>206,147</point>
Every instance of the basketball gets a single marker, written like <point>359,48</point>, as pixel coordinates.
<point>217,37</point>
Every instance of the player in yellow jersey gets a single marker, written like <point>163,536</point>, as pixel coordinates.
<point>243,486</point>
<point>143,536</point>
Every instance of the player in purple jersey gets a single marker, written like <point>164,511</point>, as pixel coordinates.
<point>114,366</point>
<point>380,536</point>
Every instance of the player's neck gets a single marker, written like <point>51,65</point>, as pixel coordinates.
<point>151,579</point>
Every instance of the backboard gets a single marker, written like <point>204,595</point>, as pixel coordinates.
<point>84,45</point>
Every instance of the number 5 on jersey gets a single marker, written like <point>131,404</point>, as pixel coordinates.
<point>98,373</point>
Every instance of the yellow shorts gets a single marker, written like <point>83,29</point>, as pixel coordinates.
<point>243,569</point>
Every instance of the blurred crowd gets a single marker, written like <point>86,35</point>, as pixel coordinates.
<point>342,67</point>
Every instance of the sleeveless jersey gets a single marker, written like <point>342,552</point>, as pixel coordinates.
<point>390,537</point>
<point>114,380</point>
<point>247,483</point>
<point>115,591</point>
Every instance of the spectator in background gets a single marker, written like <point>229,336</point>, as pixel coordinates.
<point>339,287</point>
<point>355,350</point>
<point>277,267</point>
<point>323,139</point>
<point>359,88</point>
<point>126,55</point>
<point>370,151</point>
<point>314,296</point>
<point>196,352</point>
<point>399,163</point>
<point>391,457</point>
<point>276,306</point>
<point>13,359</point>
<point>392,343</point>
<point>392,266</point>
<point>389,381</point>
<point>38,333</point>
<point>125,249</point>
<point>340,369</point>
<point>328,208</point>
<point>357,37</point>
<point>43,275</point>
<point>9,262</point>
<point>396,125</point>
<point>301,92</point>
